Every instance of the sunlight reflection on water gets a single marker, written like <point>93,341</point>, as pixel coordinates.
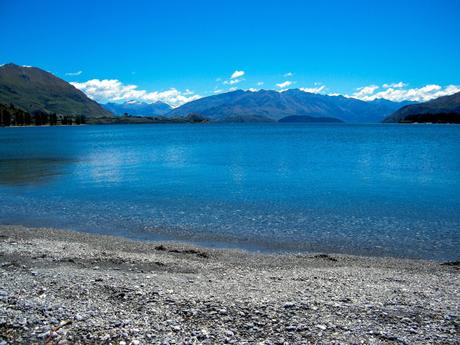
<point>368,189</point>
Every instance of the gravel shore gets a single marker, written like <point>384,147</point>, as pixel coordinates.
<point>63,287</point>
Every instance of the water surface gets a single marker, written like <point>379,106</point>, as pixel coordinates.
<point>361,189</point>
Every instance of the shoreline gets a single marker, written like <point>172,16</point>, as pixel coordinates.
<point>73,287</point>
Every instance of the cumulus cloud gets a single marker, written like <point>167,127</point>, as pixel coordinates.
<point>237,74</point>
<point>284,84</point>
<point>399,93</point>
<point>74,74</point>
<point>365,91</point>
<point>113,90</point>
<point>317,89</point>
<point>260,83</point>
<point>288,74</point>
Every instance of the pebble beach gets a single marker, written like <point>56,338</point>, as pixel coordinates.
<point>64,287</point>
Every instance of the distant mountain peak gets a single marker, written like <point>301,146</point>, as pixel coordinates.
<point>273,105</point>
<point>138,108</point>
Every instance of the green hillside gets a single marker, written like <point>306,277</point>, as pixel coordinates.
<point>33,89</point>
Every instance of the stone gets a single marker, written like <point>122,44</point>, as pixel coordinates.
<point>288,305</point>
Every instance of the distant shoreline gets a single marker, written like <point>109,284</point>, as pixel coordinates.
<point>242,123</point>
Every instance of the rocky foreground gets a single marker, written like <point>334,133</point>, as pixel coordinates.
<point>59,287</point>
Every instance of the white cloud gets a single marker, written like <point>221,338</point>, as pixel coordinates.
<point>232,81</point>
<point>313,89</point>
<point>288,74</point>
<point>394,85</point>
<point>284,84</point>
<point>252,89</point>
<point>399,93</point>
<point>218,91</point>
<point>74,74</point>
<point>237,74</point>
<point>232,89</point>
<point>365,91</point>
<point>260,83</point>
<point>113,90</point>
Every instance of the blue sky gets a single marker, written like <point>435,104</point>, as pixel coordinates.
<point>179,50</point>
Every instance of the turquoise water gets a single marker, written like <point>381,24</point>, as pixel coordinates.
<point>363,189</point>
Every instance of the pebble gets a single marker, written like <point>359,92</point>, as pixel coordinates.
<point>229,302</point>
<point>289,305</point>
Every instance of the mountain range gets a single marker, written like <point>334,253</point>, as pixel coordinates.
<point>138,108</point>
<point>33,89</point>
<point>444,109</point>
<point>269,105</point>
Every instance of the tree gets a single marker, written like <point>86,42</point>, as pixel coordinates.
<point>19,118</point>
<point>53,119</point>
<point>27,119</point>
<point>6,119</point>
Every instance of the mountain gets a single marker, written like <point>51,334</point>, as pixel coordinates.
<point>138,108</point>
<point>385,106</point>
<point>33,89</point>
<point>300,118</point>
<point>444,109</point>
<point>273,106</point>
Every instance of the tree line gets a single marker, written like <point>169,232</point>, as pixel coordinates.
<point>13,116</point>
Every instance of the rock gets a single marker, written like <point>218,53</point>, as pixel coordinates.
<point>288,305</point>
<point>44,335</point>
<point>105,337</point>
<point>321,327</point>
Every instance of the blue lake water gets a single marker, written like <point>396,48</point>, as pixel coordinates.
<point>362,189</point>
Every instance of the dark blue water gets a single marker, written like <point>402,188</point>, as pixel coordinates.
<point>362,189</point>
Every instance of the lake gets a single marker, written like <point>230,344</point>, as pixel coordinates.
<point>390,190</point>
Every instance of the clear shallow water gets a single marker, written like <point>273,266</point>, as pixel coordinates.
<point>361,189</point>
